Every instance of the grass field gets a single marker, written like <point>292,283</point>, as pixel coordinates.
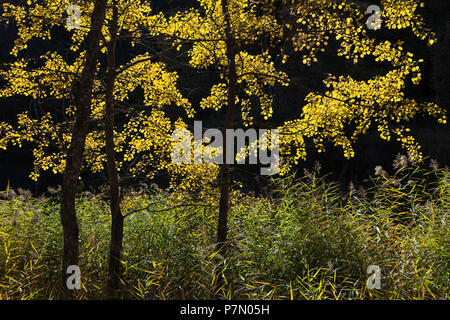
<point>307,242</point>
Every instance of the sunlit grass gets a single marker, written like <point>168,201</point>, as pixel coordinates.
<point>307,242</point>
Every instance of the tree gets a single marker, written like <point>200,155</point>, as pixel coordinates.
<point>113,179</point>
<point>222,34</point>
<point>82,92</point>
<point>349,107</point>
<point>144,139</point>
<point>74,155</point>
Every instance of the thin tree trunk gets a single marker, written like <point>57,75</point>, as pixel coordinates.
<point>82,92</point>
<point>115,247</point>
<point>222,225</point>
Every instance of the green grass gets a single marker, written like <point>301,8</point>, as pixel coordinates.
<point>308,242</point>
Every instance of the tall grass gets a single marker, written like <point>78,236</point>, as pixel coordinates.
<point>307,242</point>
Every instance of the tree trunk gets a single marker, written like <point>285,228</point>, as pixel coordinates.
<point>82,92</point>
<point>115,247</point>
<point>222,227</point>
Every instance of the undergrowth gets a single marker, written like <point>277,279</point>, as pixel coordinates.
<point>307,241</point>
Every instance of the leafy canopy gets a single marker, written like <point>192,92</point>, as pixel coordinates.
<point>346,109</point>
<point>142,142</point>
